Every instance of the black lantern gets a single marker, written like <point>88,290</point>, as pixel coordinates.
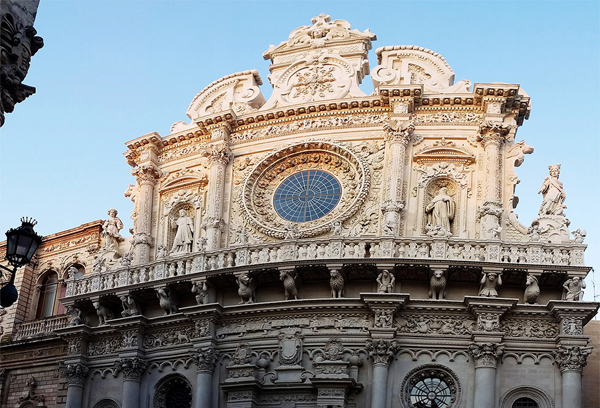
<point>21,244</point>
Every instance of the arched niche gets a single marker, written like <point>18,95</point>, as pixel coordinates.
<point>171,221</point>
<point>173,390</point>
<point>431,190</point>
<point>107,403</point>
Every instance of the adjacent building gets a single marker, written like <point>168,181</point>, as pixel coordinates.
<point>322,248</point>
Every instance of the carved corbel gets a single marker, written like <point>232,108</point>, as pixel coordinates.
<point>486,354</point>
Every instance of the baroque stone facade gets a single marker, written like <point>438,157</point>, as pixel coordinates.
<point>323,248</point>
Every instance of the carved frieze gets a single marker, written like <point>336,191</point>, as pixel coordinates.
<point>168,337</point>
<point>444,325</point>
<point>529,328</point>
<point>107,345</point>
<point>448,117</point>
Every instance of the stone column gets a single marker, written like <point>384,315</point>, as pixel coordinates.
<point>132,368</point>
<point>75,375</point>
<point>571,361</point>
<point>205,359</point>
<point>398,137</point>
<point>486,356</point>
<point>382,353</point>
<point>147,176</point>
<point>492,136</point>
<point>219,156</point>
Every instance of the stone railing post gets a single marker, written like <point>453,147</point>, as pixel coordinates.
<point>205,359</point>
<point>147,177</point>
<point>75,374</point>
<point>219,157</point>
<point>133,369</point>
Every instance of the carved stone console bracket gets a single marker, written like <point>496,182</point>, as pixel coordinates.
<point>572,316</point>
<point>384,305</point>
<point>488,312</point>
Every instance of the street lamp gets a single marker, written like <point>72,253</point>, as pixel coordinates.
<point>21,244</point>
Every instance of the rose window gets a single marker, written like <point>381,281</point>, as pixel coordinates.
<point>307,195</point>
<point>430,393</point>
<point>430,386</point>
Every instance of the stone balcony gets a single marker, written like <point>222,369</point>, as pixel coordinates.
<point>40,328</point>
<point>381,250</point>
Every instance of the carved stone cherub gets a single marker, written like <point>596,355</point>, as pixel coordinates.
<point>489,283</point>
<point>246,288</point>
<point>386,282</point>
<point>130,306</point>
<point>201,291</point>
<point>437,285</point>
<point>574,289</point>
<point>103,313</point>
<point>289,283</point>
<point>336,281</point>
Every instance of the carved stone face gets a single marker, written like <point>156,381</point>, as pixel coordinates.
<point>492,277</point>
<point>576,280</point>
<point>438,274</point>
<point>182,213</point>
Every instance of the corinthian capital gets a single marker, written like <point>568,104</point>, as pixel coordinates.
<point>132,368</point>
<point>219,153</point>
<point>571,358</point>
<point>146,173</point>
<point>493,132</point>
<point>486,354</point>
<point>205,358</point>
<point>74,373</point>
<point>382,351</point>
<point>398,132</point>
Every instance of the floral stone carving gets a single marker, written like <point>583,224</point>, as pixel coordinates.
<point>382,351</point>
<point>486,354</point>
<point>571,358</point>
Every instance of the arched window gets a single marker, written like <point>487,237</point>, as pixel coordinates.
<point>430,386</point>
<point>173,391</point>
<point>525,402</point>
<point>49,293</point>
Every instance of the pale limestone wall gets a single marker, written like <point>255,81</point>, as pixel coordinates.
<point>591,373</point>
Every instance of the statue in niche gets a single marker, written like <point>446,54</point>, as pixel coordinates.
<point>130,306</point>
<point>553,193</point>
<point>110,230</point>
<point>489,283</point>
<point>574,289</point>
<point>532,291</point>
<point>184,238</point>
<point>201,291</point>
<point>386,282</point>
<point>247,288</point>
<point>440,213</point>
<point>437,285</point>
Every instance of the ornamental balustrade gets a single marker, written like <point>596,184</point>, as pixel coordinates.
<point>205,262</point>
<point>40,328</point>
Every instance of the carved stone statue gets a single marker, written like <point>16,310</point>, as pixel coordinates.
<point>532,291</point>
<point>386,282</point>
<point>291,230</point>
<point>103,313</point>
<point>489,282</point>
<point>162,252</point>
<point>201,244</point>
<point>440,212</point>
<point>130,306</point>
<point>337,284</point>
<point>574,289</point>
<point>77,317</point>
<point>247,288</point>
<point>168,300</point>
<point>184,238</point>
<point>110,230</point>
<point>72,272</point>
<point>553,193</point>
<point>437,285</point>
<point>289,283</point>
<point>201,291</point>
<point>579,236</point>
<point>336,228</point>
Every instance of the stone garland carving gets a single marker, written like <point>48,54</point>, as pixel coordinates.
<point>74,347</point>
<point>486,354</point>
<point>132,368</point>
<point>445,325</point>
<point>205,358</point>
<point>441,169</point>
<point>336,281</point>
<point>351,170</point>
<point>290,346</point>
<point>529,328</point>
<point>572,326</point>
<point>282,399</point>
<point>571,358</point>
<point>382,351</point>
<point>448,117</point>
<point>168,337</point>
<point>74,373</point>
<point>103,346</point>
<point>308,124</point>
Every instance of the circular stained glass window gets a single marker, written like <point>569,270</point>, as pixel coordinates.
<point>307,195</point>
<point>430,393</point>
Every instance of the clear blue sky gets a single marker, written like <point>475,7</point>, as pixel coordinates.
<point>111,71</point>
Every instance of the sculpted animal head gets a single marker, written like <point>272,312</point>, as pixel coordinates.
<point>335,273</point>
<point>438,274</point>
<point>96,305</point>
<point>531,280</point>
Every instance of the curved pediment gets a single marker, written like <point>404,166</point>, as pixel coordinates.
<point>183,178</point>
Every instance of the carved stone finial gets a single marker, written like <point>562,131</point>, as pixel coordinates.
<point>205,358</point>
<point>571,358</point>
<point>579,236</point>
<point>486,354</point>
<point>382,351</point>
<point>132,368</point>
<point>74,373</point>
